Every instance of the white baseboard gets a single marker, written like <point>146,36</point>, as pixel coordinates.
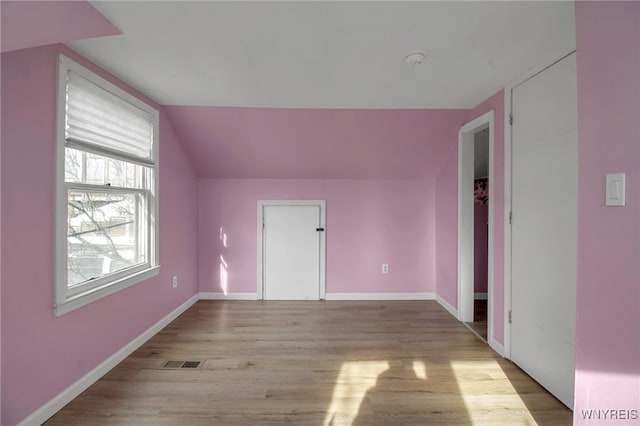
<point>493,344</point>
<point>328,296</point>
<point>63,398</point>
<point>228,296</point>
<point>481,296</point>
<point>453,311</point>
<point>380,296</point>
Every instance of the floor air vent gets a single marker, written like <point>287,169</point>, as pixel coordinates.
<point>173,365</point>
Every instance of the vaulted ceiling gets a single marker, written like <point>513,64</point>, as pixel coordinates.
<point>299,59</point>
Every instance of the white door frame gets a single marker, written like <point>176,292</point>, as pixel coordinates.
<point>265,203</point>
<point>508,149</point>
<point>466,152</point>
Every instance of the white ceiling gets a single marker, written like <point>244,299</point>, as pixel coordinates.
<point>327,54</point>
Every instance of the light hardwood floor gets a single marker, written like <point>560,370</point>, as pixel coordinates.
<point>479,324</point>
<point>316,363</point>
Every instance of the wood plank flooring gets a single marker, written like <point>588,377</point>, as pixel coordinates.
<point>479,324</point>
<point>315,363</point>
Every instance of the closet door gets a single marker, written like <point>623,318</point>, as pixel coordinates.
<point>292,237</point>
<point>544,229</point>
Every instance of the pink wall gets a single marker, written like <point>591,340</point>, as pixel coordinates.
<point>42,354</point>
<point>608,291</point>
<point>447,228</point>
<point>369,222</point>
<point>27,24</point>
<point>47,354</point>
<point>480,247</point>
<point>283,143</point>
<point>375,168</point>
<point>447,218</point>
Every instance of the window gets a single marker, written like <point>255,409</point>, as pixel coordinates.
<point>106,189</point>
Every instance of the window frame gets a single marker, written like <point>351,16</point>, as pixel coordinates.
<point>66,298</point>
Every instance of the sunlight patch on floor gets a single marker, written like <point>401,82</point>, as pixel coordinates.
<point>419,369</point>
<point>469,377</point>
<point>354,380</point>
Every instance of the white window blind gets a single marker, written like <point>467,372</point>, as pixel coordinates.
<point>97,120</point>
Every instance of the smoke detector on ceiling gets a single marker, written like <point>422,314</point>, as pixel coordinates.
<point>414,58</point>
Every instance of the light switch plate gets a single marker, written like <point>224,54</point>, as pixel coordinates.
<point>615,192</point>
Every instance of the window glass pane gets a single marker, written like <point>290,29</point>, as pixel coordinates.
<point>73,165</point>
<point>132,176</point>
<point>103,233</point>
<point>117,172</point>
<point>125,174</point>
<point>95,169</point>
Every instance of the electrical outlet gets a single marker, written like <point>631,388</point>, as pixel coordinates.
<point>385,268</point>
<point>175,281</point>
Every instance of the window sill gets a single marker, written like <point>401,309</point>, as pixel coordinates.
<point>79,300</point>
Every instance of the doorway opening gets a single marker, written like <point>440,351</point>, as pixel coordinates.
<point>480,232</point>
<point>475,225</point>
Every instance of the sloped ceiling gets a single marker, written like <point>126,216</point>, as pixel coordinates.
<point>307,89</point>
<point>37,23</point>
<point>310,143</point>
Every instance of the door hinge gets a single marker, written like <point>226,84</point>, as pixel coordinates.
<point>320,229</point>
<point>511,119</point>
<point>510,218</point>
<point>509,317</point>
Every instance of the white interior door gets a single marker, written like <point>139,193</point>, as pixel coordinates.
<point>544,229</point>
<point>292,252</point>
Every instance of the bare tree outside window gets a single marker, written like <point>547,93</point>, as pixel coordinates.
<point>102,234</point>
